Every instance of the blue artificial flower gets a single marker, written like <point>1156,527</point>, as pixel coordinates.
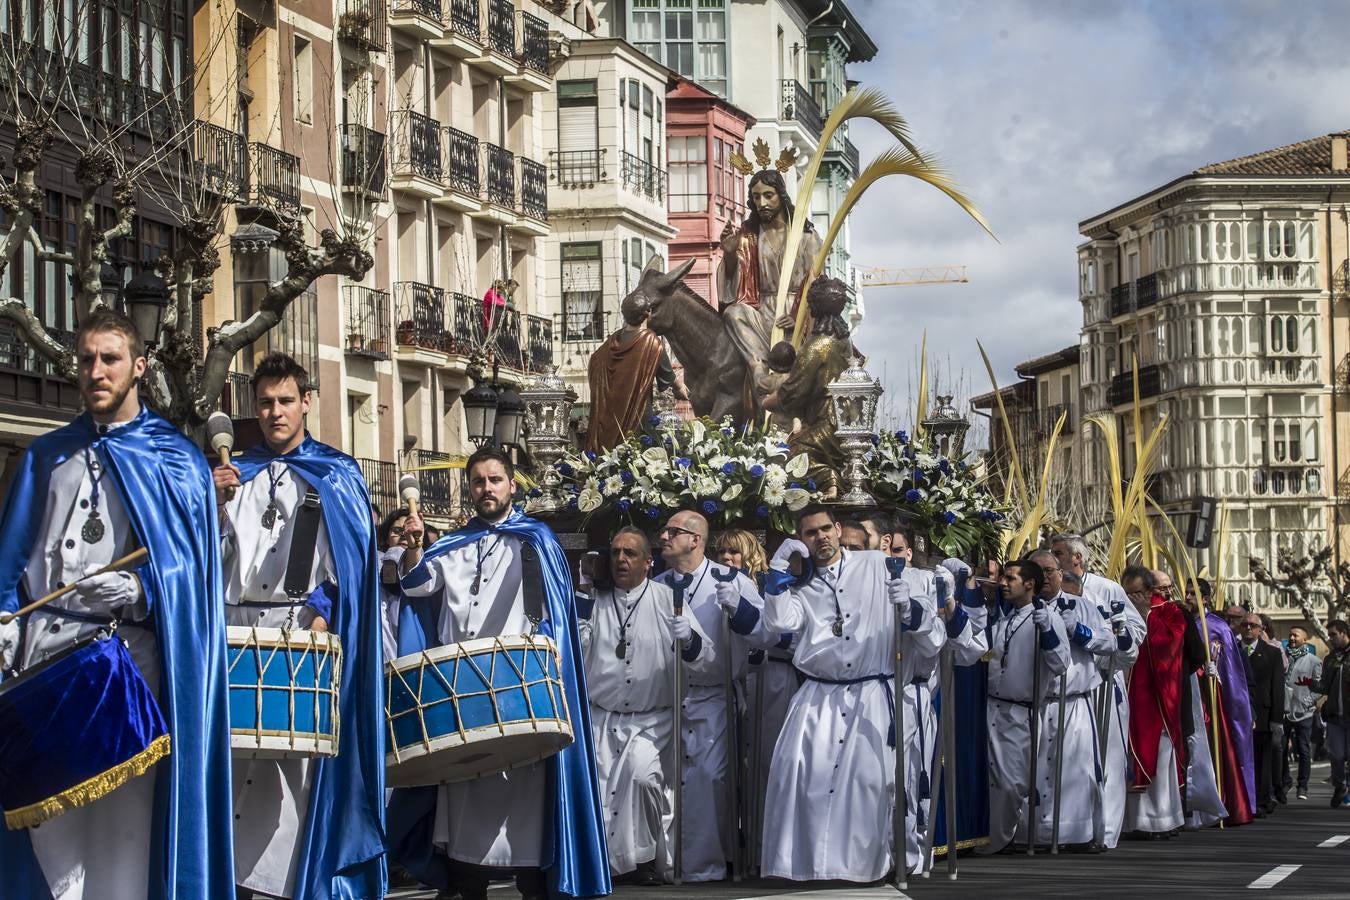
<point>762,511</point>
<point>652,512</point>
<point>565,469</point>
<point>961,465</point>
<point>948,516</point>
<point>710,506</point>
<point>626,476</point>
<point>682,462</point>
<point>572,504</point>
<point>757,471</point>
<point>590,454</point>
<point>795,485</point>
<point>535,492</point>
<point>782,445</point>
<point>913,496</point>
<point>902,437</point>
<point>876,440</point>
<point>646,440</point>
<point>811,485</point>
<point>653,421</point>
<point>729,468</point>
<point>728,432</point>
<point>944,467</point>
<point>918,476</point>
<point>623,505</point>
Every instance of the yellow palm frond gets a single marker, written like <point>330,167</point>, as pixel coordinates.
<point>1026,536</point>
<point>1221,550</point>
<point>923,387</point>
<point>1016,462</point>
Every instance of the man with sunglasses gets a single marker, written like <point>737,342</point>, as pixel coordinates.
<point>727,606</point>
<point>629,634</point>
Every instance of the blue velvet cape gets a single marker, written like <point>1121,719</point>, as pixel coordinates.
<point>575,858</point>
<point>343,850</point>
<point>165,485</point>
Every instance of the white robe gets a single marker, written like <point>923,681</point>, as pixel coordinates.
<point>832,782</point>
<point>107,843</point>
<point>707,831</point>
<point>391,602</point>
<point>632,718</point>
<point>922,650</point>
<point>271,796</point>
<point>1104,592</point>
<point>1206,807</point>
<point>1080,800</point>
<point>496,820</point>
<point>1013,641</point>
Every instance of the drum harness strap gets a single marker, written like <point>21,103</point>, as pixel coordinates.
<point>532,585</point>
<point>300,562</point>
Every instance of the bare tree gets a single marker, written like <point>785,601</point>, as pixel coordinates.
<point>54,92</point>
<point>1303,578</point>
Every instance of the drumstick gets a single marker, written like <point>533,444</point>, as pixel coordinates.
<point>220,431</point>
<point>129,560</point>
<point>410,492</point>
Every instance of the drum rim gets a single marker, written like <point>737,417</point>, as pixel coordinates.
<point>467,648</point>
<point>280,638</point>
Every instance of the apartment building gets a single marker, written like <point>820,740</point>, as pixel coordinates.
<point>1228,287</point>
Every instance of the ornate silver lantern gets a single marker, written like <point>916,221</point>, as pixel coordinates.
<point>663,407</point>
<point>947,428</point>
<point>548,410</point>
<point>854,395</point>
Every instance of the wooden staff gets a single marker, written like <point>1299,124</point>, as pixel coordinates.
<point>733,803</point>
<point>130,559</point>
<point>948,735</point>
<point>1035,734</point>
<point>1059,763</point>
<point>899,833</point>
<point>677,671</point>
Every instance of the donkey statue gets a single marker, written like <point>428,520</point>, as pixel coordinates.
<point>714,371</point>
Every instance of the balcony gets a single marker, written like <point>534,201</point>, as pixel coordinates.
<point>417,153</point>
<point>362,24</point>
<point>1146,291</point>
<point>1043,419</point>
<point>221,159</point>
<point>1287,481</point>
<point>539,335</point>
<point>499,41</point>
<point>367,322</point>
<point>641,177</point>
<point>420,313</point>
<point>463,34</point>
<point>440,487</point>
<point>468,325</point>
<point>841,152</point>
<point>500,189</point>
<point>534,43</point>
<point>1122,386</point>
<point>382,482</point>
<point>1122,299</point>
<point>577,168</point>
<point>363,161</point>
<point>237,399</point>
<point>1256,276</point>
<point>276,177</point>
<point>534,191</point>
<point>419,19</point>
<point>27,381</point>
<point>507,341</point>
<point>797,106</point>
<point>459,171</point>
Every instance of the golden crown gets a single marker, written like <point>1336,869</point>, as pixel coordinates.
<point>764,158</point>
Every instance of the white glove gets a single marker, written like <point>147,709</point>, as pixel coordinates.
<point>727,596</point>
<point>9,644</point>
<point>787,548</point>
<point>1041,617</point>
<point>680,629</point>
<point>897,589</point>
<point>945,576</point>
<point>1070,617</point>
<point>110,591</point>
<point>960,571</point>
<point>1212,669</point>
<point>1118,622</point>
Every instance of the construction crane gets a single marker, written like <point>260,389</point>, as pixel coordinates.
<point>880,276</point>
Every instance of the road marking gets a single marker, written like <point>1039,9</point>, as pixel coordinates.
<point>1273,877</point>
<point>1335,840</point>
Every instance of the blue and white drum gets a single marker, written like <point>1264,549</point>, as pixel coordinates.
<point>466,710</point>
<point>284,689</point>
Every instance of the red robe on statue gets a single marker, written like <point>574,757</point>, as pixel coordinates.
<point>1155,691</point>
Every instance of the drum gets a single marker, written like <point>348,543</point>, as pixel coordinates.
<point>74,728</point>
<point>465,710</point>
<point>284,690</point>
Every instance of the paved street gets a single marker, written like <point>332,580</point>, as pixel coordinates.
<point>1301,851</point>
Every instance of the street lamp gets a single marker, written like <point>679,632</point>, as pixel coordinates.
<point>854,395</point>
<point>510,418</point>
<point>480,413</point>
<point>110,283</point>
<point>146,297</point>
<point>947,427</point>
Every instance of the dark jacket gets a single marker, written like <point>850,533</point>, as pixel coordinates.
<point>1336,685</point>
<point>1267,685</point>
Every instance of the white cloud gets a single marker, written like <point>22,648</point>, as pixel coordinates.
<point>1049,113</point>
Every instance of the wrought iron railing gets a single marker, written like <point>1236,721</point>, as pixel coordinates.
<point>1146,291</point>
<point>438,484</point>
<point>276,175</point>
<point>362,23</point>
<point>461,161</point>
<point>363,159</point>
<point>429,8</point>
<point>236,399</point>
<point>367,321</point>
<point>508,339</point>
<point>644,178</point>
<point>539,335</point>
<point>534,43</point>
<point>417,144</point>
<point>220,157</point>
<point>464,19</point>
<point>501,29</point>
<point>382,482</point>
<point>798,106</point>
<point>501,175</point>
<point>1122,299</point>
<point>533,189</point>
<point>1122,386</point>
<point>420,314</point>
<point>467,323</point>
<point>578,167</point>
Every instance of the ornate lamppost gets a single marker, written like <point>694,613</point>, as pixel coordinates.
<point>854,395</point>
<point>548,410</point>
<point>947,427</point>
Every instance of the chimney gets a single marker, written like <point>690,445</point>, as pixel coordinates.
<point>1339,162</point>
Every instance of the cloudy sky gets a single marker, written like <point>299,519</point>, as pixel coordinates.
<point>1048,112</point>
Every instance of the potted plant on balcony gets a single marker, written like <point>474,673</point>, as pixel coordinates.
<point>356,342</point>
<point>379,345</point>
<point>406,332</point>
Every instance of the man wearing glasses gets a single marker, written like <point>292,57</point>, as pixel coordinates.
<point>1266,665</point>
<point>727,608</point>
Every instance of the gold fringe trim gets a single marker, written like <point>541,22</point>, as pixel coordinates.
<point>941,849</point>
<point>87,792</point>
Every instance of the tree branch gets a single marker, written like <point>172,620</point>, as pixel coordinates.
<point>14,310</point>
